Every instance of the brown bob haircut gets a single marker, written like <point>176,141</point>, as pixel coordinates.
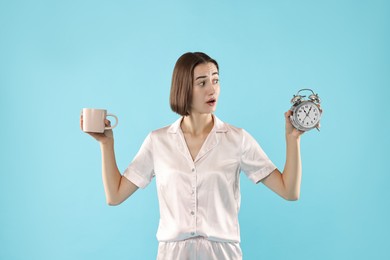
<point>183,80</point>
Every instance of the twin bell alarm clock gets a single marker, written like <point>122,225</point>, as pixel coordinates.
<point>306,112</point>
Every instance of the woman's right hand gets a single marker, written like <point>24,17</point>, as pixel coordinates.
<point>102,138</point>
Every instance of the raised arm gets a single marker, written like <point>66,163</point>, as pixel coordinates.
<point>117,187</point>
<point>288,183</point>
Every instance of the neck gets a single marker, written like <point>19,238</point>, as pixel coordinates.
<point>197,124</point>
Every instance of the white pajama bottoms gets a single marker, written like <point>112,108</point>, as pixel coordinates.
<point>199,248</point>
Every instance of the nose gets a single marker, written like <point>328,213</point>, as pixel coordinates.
<point>212,87</point>
<point>212,90</point>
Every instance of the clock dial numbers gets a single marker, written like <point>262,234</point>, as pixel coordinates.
<point>301,115</point>
<point>307,115</point>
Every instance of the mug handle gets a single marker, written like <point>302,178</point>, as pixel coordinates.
<point>111,127</point>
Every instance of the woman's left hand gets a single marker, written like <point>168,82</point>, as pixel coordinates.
<point>291,131</point>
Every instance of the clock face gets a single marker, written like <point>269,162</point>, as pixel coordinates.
<point>307,114</point>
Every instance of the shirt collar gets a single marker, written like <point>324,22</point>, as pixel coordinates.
<point>219,126</point>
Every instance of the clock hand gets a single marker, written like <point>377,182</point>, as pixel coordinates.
<point>303,121</point>
<point>307,114</point>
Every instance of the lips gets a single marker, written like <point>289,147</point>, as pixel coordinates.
<point>211,101</point>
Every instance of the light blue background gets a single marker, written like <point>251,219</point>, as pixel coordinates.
<point>57,57</point>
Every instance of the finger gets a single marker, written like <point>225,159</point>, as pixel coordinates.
<point>299,132</point>
<point>107,122</point>
<point>287,116</point>
<point>81,122</point>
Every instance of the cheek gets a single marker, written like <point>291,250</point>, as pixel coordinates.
<point>195,97</point>
<point>195,100</point>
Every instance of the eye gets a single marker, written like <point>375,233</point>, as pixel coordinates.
<point>215,81</point>
<point>202,83</point>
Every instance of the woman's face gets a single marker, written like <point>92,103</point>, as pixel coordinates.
<point>206,89</point>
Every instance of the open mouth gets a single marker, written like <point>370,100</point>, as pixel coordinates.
<point>211,101</point>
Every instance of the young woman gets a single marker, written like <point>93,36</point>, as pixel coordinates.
<point>196,162</point>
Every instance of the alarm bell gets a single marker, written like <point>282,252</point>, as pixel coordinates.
<point>299,98</point>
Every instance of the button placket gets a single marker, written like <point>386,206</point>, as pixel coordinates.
<point>193,199</point>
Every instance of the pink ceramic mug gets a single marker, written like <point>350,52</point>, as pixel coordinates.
<point>93,120</point>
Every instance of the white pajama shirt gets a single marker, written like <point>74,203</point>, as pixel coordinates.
<point>199,199</point>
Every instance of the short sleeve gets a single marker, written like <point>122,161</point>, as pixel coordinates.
<point>141,169</point>
<point>254,162</point>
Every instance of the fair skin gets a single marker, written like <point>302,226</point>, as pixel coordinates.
<point>199,123</point>
<point>196,127</point>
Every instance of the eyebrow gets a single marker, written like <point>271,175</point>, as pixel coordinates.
<point>202,77</point>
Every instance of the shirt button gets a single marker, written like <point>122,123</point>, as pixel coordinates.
<point>193,169</point>
<point>192,233</point>
<point>192,213</point>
